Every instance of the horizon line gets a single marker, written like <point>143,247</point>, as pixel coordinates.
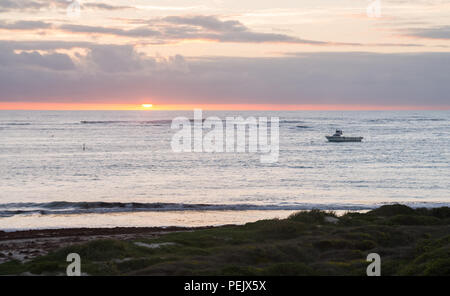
<point>40,106</point>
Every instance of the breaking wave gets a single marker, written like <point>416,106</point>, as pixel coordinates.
<point>66,208</point>
<point>163,121</point>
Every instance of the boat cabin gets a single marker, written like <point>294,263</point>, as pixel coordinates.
<point>338,133</point>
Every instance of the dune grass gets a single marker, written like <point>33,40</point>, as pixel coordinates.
<point>409,241</point>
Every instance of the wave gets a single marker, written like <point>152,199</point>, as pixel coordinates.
<point>64,208</point>
<point>67,208</point>
<point>411,119</point>
<point>169,121</point>
<point>162,121</point>
<point>15,123</point>
<point>291,121</point>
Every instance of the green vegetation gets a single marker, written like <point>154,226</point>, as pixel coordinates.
<point>409,241</point>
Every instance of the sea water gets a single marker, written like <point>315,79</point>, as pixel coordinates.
<point>117,168</point>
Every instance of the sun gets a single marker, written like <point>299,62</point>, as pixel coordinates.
<point>147,105</point>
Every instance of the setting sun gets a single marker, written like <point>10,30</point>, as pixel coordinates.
<point>147,105</point>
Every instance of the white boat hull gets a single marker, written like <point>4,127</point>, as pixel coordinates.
<point>344,139</point>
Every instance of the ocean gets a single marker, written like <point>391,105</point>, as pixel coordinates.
<point>61,169</point>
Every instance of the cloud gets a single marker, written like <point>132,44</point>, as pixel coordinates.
<point>118,58</point>
<point>23,60</point>
<point>442,32</point>
<point>45,45</point>
<point>104,6</point>
<point>33,5</point>
<point>212,28</point>
<point>115,74</point>
<point>174,28</point>
<point>24,25</point>
<point>171,29</point>
<point>207,22</point>
<point>137,32</point>
<point>9,5</point>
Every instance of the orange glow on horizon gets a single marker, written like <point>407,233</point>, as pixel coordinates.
<point>217,107</point>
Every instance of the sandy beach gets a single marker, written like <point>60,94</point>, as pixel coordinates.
<point>410,241</point>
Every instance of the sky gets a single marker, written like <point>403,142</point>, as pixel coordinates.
<point>230,54</point>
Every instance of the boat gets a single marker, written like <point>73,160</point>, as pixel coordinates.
<point>338,137</point>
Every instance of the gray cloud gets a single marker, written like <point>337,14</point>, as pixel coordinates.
<point>33,5</point>
<point>137,32</point>
<point>207,22</point>
<point>24,25</point>
<point>21,61</point>
<point>43,44</point>
<point>103,6</point>
<point>442,32</point>
<point>118,58</point>
<point>210,27</point>
<point>121,74</point>
<point>174,28</point>
<point>9,5</point>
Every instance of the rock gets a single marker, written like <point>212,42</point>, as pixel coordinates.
<point>331,220</point>
<point>153,246</point>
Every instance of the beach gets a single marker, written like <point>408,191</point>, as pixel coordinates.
<point>409,241</point>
